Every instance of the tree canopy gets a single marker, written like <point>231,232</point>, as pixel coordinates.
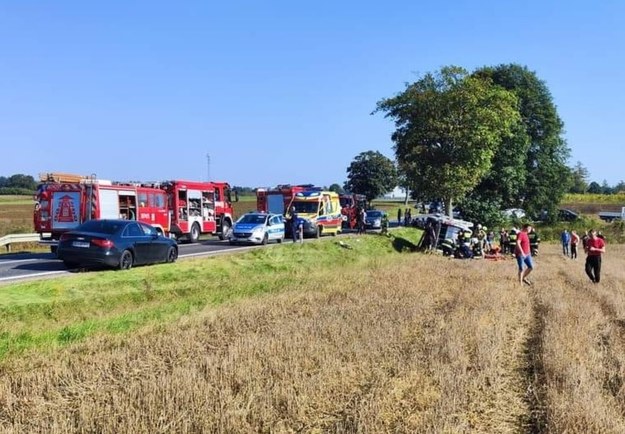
<point>449,127</point>
<point>371,174</point>
<point>336,188</point>
<point>529,168</point>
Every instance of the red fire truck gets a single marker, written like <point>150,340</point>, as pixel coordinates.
<point>199,208</point>
<point>350,203</point>
<point>64,201</point>
<point>276,200</point>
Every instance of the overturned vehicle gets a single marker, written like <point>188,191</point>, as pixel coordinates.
<point>445,234</point>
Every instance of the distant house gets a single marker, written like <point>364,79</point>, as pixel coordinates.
<point>398,193</point>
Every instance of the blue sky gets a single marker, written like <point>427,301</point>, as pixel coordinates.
<point>278,91</point>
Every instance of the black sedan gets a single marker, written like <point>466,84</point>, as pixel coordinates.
<point>115,243</point>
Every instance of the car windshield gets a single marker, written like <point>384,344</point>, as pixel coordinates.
<point>101,226</point>
<point>306,207</point>
<point>254,219</point>
<point>374,214</point>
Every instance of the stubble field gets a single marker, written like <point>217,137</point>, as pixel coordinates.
<point>395,343</point>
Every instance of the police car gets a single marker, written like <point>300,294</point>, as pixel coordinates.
<point>258,228</point>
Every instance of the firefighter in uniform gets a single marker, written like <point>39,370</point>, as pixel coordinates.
<point>466,236</point>
<point>512,240</point>
<point>534,241</point>
<point>448,247</point>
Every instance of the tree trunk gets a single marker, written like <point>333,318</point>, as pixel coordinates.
<point>450,208</point>
<point>406,199</point>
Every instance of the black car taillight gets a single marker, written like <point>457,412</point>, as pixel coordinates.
<point>105,244</point>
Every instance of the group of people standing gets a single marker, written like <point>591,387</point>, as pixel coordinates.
<point>508,240</point>
<point>593,243</point>
<point>407,217</point>
<point>570,241</point>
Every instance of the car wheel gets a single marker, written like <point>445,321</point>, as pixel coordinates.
<point>226,230</point>
<point>265,239</point>
<point>53,249</point>
<point>194,235</point>
<point>232,243</point>
<point>70,264</point>
<point>172,254</point>
<point>318,233</point>
<point>126,260</point>
<point>279,240</point>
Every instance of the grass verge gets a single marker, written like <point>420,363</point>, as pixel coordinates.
<point>51,313</point>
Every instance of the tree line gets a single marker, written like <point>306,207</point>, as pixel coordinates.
<point>18,184</point>
<point>580,183</point>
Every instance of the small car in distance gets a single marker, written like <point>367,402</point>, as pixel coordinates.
<point>374,219</point>
<point>115,243</point>
<point>567,215</point>
<point>258,228</point>
<point>517,213</point>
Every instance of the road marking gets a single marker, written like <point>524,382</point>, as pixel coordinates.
<point>16,261</point>
<point>28,276</point>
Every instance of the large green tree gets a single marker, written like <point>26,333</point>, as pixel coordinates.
<point>529,168</point>
<point>371,174</point>
<point>449,126</point>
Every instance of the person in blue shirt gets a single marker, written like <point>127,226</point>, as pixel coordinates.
<point>565,237</point>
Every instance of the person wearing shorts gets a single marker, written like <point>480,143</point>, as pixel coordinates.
<point>524,255</point>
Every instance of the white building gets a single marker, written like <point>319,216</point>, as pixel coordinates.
<point>398,193</point>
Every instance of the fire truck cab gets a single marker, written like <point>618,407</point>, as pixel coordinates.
<point>198,208</point>
<point>276,200</point>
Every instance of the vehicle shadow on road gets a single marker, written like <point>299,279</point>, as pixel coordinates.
<point>41,266</point>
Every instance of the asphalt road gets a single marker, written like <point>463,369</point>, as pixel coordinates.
<point>15,267</point>
<point>27,266</point>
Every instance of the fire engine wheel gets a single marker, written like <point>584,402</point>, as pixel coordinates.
<point>172,254</point>
<point>126,260</point>
<point>194,235</point>
<point>226,231</point>
<point>318,233</point>
<point>265,239</point>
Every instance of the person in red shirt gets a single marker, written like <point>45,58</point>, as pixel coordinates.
<point>523,254</point>
<point>595,247</point>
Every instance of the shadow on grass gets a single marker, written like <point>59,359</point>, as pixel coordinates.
<point>401,244</point>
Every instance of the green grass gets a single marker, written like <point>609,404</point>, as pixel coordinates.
<point>16,200</point>
<point>47,314</point>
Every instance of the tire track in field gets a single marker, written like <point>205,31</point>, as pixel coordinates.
<point>613,381</point>
<point>535,395</point>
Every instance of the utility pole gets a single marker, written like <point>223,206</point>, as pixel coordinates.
<point>208,166</point>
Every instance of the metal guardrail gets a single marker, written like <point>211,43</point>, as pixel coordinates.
<point>18,238</point>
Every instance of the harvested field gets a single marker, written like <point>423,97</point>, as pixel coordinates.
<point>416,344</point>
<point>16,218</point>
